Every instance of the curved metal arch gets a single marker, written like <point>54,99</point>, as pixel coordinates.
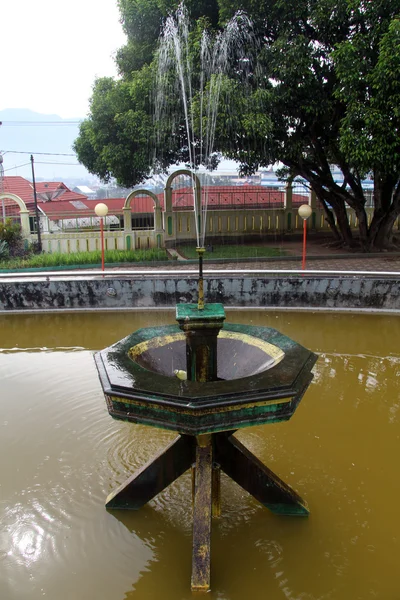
<point>16,199</point>
<point>143,192</point>
<point>168,197</point>
<point>183,172</point>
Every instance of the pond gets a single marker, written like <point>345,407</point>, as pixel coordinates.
<point>61,454</point>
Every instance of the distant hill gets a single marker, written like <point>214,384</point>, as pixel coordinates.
<point>24,130</point>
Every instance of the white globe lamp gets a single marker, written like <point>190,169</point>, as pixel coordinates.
<point>101,209</point>
<point>305,211</point>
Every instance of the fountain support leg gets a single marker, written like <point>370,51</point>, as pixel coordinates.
<point>254,477</point>
<point>155,475</point>
<point>202,513</point>
<point>227,454</point>
<point>216,491</point>
<point>209,454</point>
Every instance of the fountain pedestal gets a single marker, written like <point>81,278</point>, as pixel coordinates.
<point>201,328</point>
<point>261,378</point>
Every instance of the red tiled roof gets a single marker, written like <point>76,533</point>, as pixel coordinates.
<point>44,186</point>
<point>182,198</point>
<point>67,196</point>
<point>218,196</point>
<point>85,207</point>
<point>72,209</point>
<point>49,187</point>
<point>231,196</point>
<point>14,184</point>
<point>144,204</point>
<point>23,188</point>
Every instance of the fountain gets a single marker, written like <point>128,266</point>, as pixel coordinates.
<point>204,378</point>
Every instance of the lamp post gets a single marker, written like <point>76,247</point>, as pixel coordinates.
<point>101,211</point>
<point>304,211</point>
<point>39,238</point>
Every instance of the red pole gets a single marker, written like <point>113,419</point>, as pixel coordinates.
<point>303,264</point>
<point>102,243</point>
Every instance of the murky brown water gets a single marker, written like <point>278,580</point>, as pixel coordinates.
<point>61,454</point>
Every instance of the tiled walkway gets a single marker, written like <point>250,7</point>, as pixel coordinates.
<point>318,258</point>
<point>353,263</point>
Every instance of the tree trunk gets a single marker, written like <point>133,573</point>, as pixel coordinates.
<point>343,223</point>
<point>374,228</point>
<point>363,228</point>
<point>387,210</point>
<point>384,234</point>
<point>335,198</point>
<point>331,221</point>
<point>326,198</point>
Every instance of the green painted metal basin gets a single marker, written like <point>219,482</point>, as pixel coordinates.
<point>263,375</point>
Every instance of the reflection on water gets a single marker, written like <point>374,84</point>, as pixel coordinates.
<point>61,454</point>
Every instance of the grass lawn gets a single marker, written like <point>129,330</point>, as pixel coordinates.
<point>56,259</point>
<point>232,252</point>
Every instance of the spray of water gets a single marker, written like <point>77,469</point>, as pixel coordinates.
<point>196,81</point>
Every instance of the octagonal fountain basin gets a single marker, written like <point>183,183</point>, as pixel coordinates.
<point>239,354</point>
<point>262,373</point>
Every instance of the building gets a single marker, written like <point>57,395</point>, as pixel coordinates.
<point>144,219</point>
<point>85,191</point>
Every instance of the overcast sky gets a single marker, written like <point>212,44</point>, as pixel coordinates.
<point>52,52</point>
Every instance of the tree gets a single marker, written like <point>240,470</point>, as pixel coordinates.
<point>369,133</point>
<point>325,90</point>
<point>320,87</point>
<point>115,141</point>
<point>11,242</point>
<point>142,21</point>
<point>118,139</point>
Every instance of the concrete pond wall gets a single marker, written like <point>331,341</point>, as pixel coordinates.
<point>121,292</point>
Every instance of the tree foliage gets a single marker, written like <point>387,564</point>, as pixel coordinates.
<point>115,140</point>
<point>10,232</point>
<point>321,87</point>
<point>119,138</point>
<point>11,242</point>
<point>327,84</point>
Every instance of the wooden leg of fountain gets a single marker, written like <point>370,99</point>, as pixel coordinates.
<point>209,453</point>
<point>154,476</point>
<point>253,476</point>
<point>202,512</point>
<point>216,491</point>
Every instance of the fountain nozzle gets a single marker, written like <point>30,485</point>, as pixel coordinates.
<point>200,301</point>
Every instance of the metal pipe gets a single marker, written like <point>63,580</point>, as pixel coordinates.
<point>200,302</point>
<point>303,262</point>
<point>102,242</point>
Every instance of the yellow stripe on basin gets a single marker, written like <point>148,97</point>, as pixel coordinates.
<point>276,353</point>
<point>158,342</point>
<point>192,408</point>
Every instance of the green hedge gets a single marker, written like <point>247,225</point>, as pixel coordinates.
<point>58,259</point>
